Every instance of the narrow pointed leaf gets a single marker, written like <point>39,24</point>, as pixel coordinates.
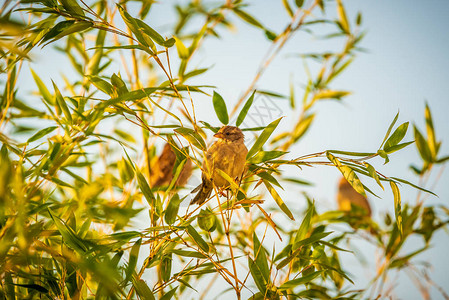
<point>220,108</point>
<point>245,109</point>
<point>279,200</point>
<point>264,136</point>
<point>397,205</point>
<point>396,137</point>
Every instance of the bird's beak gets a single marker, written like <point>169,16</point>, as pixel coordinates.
<point>219,135</point>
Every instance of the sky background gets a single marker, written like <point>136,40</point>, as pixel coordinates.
<point>405,65</point>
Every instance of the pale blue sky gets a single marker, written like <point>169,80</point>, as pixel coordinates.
<point>406,64</point>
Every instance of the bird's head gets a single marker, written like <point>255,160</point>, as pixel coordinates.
<point>229,133</point>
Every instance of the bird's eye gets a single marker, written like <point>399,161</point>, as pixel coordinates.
<point>227,133</point>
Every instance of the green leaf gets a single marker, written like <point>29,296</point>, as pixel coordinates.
<point>220,108</point>
<point>142,289</point>
<point>101,84</point>
<point>69,236</point>
<point>299,281</point>
<point>132,262</point>
<point>398,147</point>
<point>260,258</point>
<point>299,3</point>
<point>351,153</point>
<point>172,209</point>
<point>119,84</point>
<point>261,140</point>
<point>197,239</point>
<point>397,205</point>
<point>312,239</point>
<point>413,185</point>
<point>193,137</point>
<point>41,133</point>
<point>330,94</point>
<point>288,8</point>
<point>206,220</point>
<point>72,7</point>
<point>61,103</point>
<point>248,18</point>
<point>270,178</point>
<point>348,174</point>
<point>153,34</point>
<point>302,126</point>
<point>135,28</point>
<point>389,129</point>
<point>259,279</point>
<point>264,156</point>
<point>279,200</point>
<point>373,173</point>
<point>431,139</point>
<point>42,88</point>
<point>169,294</point>
<point>342,17</point>
<point>183,52</point>
<point>188,253</point>
<point>396,137</point>
<point>165,267</point>
<point>304,227</point>
<point>245,109</point>
<point>145,189</point>
<point>422,146</point>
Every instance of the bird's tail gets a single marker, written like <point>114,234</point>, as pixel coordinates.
<point>205,189</point>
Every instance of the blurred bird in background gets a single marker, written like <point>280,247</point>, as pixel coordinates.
<point>356,206</point>
<point>349,200</point>
<point>227,154</point>
<point>162,172</point>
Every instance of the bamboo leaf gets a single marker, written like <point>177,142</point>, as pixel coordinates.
<point>145,189</point>
<point>42,88</point>
<point>41,133</point>
<point>183,52</point>
<point>431,139</point>
<point>260,258</point>
<point>342,17</point>
<point>397,205</point>
<point>264,156</point>
<point>142,289</point>
<point>279,200</point>
<point>422,146</point>
<point>396,137</point>
<point>197,239</point>
<point>259,280</point>
<point>261,140</point>
<point>206,220</point>
<point>299,281</point>
<point>245,109</point>
<point>220,108</point>
<point>132,262</point>
<point>72,7</point>
<point>248,18</point>
<point>172,209</point>
<point>389,129</point>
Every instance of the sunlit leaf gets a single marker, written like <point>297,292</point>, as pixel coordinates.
<point>264,136</point>
<point>396,137</point>
<point>422,146</point>
<point>299,281</point>
<point>245,109</point>
<point>220,108</point>
<point>41,133</point>
<point>397,205</point>
<point>279,200</point>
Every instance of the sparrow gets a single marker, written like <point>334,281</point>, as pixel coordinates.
<point>162,169</point>
<point>349,200</point>
<point>227,154</point>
